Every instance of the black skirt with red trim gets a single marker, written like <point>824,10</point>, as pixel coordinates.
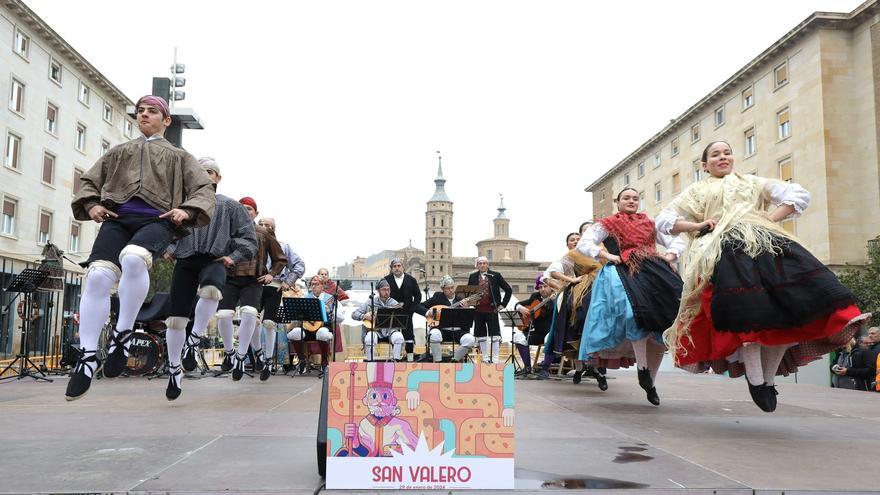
<point>787,297</point>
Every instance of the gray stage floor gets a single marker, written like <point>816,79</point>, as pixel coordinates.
<point>226,437</point>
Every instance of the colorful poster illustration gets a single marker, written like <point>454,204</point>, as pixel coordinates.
<point>420,426</point>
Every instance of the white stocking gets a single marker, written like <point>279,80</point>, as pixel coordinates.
<point>751,353</point>
<point>174,338</point>
<point>655,357</point>
<point>245,332</point>
<point>94,306</point>
<point>224,326</point>
<point>133,288</point>
<point>205,309</point>
<point>640,347</point>
<point>771,356</point>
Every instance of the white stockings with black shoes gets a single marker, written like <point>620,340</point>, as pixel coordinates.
<point>249,318</point>
<point>94,311</point>
<point>762,362</point>
<point>269,327</point>
<point>484,348</point>
<point>648,359</point>
<point>133,287</point>
<point>209,299</point>
<point>175,335</point>
<point>224,327</point>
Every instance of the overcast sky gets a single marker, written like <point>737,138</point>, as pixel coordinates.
<point>330,113</point>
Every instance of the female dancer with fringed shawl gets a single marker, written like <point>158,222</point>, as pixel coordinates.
<point>578,272</point>
<point>635,296</point>
<point>755,302</point>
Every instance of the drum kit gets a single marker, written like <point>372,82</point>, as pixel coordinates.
<point>147,355</point>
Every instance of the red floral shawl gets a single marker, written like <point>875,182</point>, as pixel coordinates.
<point>635,236</point>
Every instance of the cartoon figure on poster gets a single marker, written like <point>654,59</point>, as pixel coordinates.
<point>380,432</point>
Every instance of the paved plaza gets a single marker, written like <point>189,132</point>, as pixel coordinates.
<point>227,437</point>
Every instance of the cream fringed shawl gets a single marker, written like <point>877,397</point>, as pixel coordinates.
<point>739,204</point>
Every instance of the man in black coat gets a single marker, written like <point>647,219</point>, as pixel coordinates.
<point>486,317</point>
<point>405,290</point>
<point>462,337</point>
<point>864,363</point>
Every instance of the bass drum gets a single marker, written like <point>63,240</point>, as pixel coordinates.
<point>144,355</point>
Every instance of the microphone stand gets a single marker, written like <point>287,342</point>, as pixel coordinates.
<point>495,311</point>
<point>335,307</point>
<point>373,320</point>
<point>427,331</point>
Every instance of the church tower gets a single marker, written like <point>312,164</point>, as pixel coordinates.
<point>438,232</point>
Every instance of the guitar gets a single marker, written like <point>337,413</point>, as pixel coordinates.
<point>433,314</point>
<point>368,324</point>
<point>312,326</point>
<point>536,310</point>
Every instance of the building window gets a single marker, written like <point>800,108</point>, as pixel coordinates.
<point>84,93</point>
<point>126,128</point>
<point>658,192</point>
<point>442,223</point>
<point>51,119</point>
<point>626,179</point>
<point>21,44</point>
<point>642,201</point>
<point>674,147</point>
<point>489,254</point>
<point>45,229</point>
<point>697,170</point>
<point>783,123</point>
<point>13,151</point>
<point>521,255</point>
<point>515,288</point>
<point>780,74</point>
<point>73,242</point>
<point>80,142</point>
<point>108,113</point>
<point>676,183</point>
<point>719,116</point>
<point>16,96</point>
<point>9,207</point>
<point>105,147</point>
<point>441,246</point>
<point>77,180</point>
<point>55,70</point>
<point>695,133</point>
<point>656,159</point>
<point>48,168</point>
<point>641,169</point>
<point>602,197</point>
<point>786,170</point>
<point>748,97</point>
<point>530,289</point>
<point>751,141</point>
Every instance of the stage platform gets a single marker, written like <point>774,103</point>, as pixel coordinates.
<point>253,437</point>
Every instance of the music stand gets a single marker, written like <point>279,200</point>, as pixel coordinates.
<point>467,290</point>
<point>389,319</point>
<point>513,320</point>
<point>302,309</point>
<point>456,318</point>
<point>25,283</point>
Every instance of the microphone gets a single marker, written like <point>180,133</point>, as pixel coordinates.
<point>422,270</point>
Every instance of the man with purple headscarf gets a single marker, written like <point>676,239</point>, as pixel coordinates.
<point>144,193</point>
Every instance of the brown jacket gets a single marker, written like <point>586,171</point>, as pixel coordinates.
<point>267,245</point>
<point>162,175</point>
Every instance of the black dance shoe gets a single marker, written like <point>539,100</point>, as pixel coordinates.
<point>647,385</point>
<point>763,395</point>
<point>116,360</point>
<point>577,375</point>
<point>173,390</point>
<point>258,360</point>
<point>226,365</point>
<point>237,368</point>
<point>602,382</point>
<point>303,367</point>
<point>80,381</point>
<point>189,353</point>
<point>265,372</point>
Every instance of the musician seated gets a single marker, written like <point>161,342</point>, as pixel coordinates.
<point>539,310</point>
<point>373,336</point>
<point>311,331</point>
<point>446,297</point>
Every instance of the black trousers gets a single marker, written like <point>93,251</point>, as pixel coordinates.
<point>190,274</point>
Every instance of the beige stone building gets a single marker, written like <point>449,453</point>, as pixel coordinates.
<point>806,110</point>
<point>60,115</point>
<point>506,254</point>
